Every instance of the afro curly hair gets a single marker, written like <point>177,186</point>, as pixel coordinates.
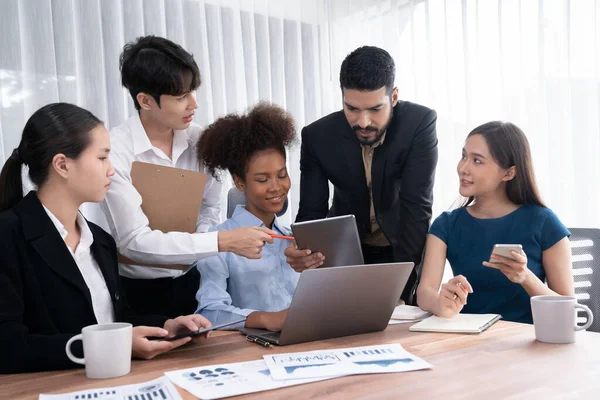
<point>231,141</point>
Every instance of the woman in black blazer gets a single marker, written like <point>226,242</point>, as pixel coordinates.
<point>44,298</point>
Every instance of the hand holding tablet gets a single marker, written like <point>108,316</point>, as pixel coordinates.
<point>199,331</point>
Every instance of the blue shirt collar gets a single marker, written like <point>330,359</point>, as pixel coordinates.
<point>243,217</point>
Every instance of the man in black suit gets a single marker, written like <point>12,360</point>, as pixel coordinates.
<point>380,155</point>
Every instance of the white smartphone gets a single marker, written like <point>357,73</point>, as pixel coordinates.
<point>504,250</point>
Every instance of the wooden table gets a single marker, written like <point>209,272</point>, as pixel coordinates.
<point>504,362</point>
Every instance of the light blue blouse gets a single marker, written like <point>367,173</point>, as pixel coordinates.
<point>233,286</point>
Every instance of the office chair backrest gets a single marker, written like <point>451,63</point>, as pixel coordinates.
<point>585,247</point>
<point>235,198</point>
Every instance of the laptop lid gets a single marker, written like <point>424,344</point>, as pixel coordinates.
<point>341,301</point>
<point>336,237</point>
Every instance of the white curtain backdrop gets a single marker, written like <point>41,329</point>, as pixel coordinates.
<point>532,62</point>
<point>68,50</point>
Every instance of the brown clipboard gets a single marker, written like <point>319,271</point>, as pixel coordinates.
<point>171,199</point>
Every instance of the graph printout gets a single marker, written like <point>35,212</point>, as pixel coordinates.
<point>158,389</point>
<point>356,360</point>
<point>225,380</point>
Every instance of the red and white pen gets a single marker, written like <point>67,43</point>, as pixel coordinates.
<point>281,237</point>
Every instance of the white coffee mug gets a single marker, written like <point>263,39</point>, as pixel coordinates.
<point>106,350</point>
<point>555,318</point>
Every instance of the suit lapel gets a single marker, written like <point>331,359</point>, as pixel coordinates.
<point>380,157</point>
<point>45,239</point>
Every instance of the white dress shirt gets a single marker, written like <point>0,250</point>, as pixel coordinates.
<point>92,275</point>
<point>123,211</point>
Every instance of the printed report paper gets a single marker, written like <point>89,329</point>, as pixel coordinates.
<point>158,389</point>
<point>225,380</point>
<point>356,360</point>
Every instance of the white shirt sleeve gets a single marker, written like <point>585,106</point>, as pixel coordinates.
<point>210,211</point>
<point>131,231</point>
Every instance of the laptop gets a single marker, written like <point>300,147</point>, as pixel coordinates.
<point>341,301</point>
<point>336,237</point>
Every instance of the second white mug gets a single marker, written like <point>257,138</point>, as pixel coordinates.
<point>554,318</point>
<point>106,350</point>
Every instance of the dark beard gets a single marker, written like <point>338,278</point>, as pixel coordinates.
<point>380,132</point>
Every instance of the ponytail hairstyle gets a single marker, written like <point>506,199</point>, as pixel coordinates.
<point>57,128</point>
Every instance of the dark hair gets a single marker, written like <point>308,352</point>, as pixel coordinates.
<point>53,129</point>
<point>230,142</point>
<point>368,68</point>
<point>509,147</point>
<point>156,66</point>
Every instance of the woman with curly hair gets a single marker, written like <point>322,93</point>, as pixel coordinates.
<point>252,148</point>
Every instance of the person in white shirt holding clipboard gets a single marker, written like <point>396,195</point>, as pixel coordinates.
<point>162,78</point>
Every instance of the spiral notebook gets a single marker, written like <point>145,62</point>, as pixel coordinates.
<point>461,323</point>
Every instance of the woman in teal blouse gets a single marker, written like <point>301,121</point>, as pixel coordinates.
<point>503,206</point>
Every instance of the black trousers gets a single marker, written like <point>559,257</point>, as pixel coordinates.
<point>385,254</point>
<point>169,297</point>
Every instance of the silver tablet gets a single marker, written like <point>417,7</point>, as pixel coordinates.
<point>336,237</point>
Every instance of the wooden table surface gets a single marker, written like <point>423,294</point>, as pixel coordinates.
<point>503,362</point>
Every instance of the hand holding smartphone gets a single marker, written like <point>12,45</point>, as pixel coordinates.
<point>504,250</point>
<point>198,332</point>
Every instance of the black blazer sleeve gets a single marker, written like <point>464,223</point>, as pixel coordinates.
<point>34,327</point>
<point>416,197</point>
<point>314,185</point>
<point>21,351</point>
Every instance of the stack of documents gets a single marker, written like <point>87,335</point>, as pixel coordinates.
<point>288,369</point>
<point>225,380</point>
<point>409,312</point>
<point>404,314</point>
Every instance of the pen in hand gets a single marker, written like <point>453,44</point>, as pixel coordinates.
<point>258,341</point>
<point>281,237</point>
